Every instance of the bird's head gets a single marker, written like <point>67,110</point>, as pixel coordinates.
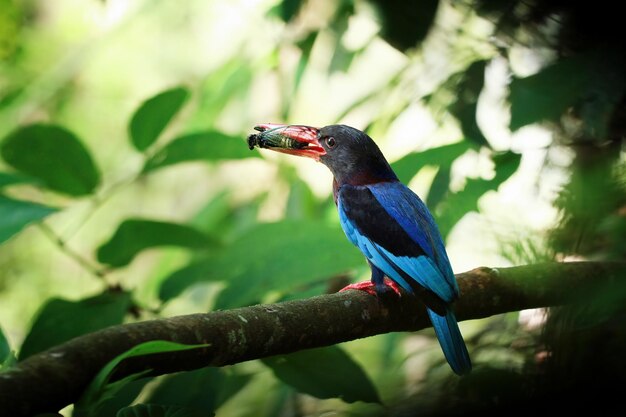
<point>351,155</point>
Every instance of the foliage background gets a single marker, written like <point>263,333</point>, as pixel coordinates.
<point>128,191</point>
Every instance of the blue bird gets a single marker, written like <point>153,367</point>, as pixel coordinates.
<point>389,223</point>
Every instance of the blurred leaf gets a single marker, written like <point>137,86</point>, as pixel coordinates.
<point>443,157</point>
<point>327,372</point>
<point>9,362</point>
<point>439,187</point>
<point>5,349</point>
<point>591,84</point>
<point>203,146</point>
<point>271,256</point>
<point>119,399</point>
<point>342,57</point>
<point>605,89</point>
<point>406,23</point>
<point>507,164</point>
<point>157,410</point>
<point>458,204</point>
<point>547,94</point>
<point>301,202</point>
<point>279,259</point>
<point>464,107</point>
<point>61,320</point>
<point>203,389</point>
<point>223,218</point>
<point>53,155</point>
<point>213,214</point>
<point>136,235</point>
<point>153,116</point>
<point>100,390</point>
<point>305,45</point>
<point>229,82</point>
<point>286,9</point>
<point>17,214</point>
<point>10,179</point>
<point>11,22</point>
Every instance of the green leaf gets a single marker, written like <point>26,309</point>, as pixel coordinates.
<point>100,390</point>
<point>203,389</point>
<point>272,256</point>
<point>405,23</point>
<point>135,235</point>
<point>154,115</point>
<point>324,373</point>
<point>458,204</point>
<point>61,320</point>
<point>11,179</point>
<point>203,146</point>
<point>443,156</point>
<point>53,155</point>
<point>466,103</point>
<point>17,214</point>
<point>157,410</point>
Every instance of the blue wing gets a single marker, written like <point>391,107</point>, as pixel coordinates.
<point>395,231</point>
<point>415,218</point>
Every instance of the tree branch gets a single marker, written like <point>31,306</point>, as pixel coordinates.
<point>55,378</point>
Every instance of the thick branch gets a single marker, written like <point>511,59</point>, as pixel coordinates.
<point>50,380</point>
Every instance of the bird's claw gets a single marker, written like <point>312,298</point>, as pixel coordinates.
<point>373,289</point>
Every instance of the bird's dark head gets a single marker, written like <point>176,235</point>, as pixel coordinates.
<point>351,155</point>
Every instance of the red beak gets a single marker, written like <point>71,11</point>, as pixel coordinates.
<point>305,136</point>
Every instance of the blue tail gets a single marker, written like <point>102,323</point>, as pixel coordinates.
<point>452,344</point>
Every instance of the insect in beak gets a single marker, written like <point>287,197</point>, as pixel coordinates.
<point>290,139</point>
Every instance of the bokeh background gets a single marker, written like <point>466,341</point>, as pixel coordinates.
<point>507,118</point>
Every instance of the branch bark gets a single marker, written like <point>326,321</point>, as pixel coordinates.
<point>55,378</point>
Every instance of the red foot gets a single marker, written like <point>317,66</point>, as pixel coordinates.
<point>370,288</point>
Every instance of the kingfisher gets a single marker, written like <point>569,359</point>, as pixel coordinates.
<point>382,217</point>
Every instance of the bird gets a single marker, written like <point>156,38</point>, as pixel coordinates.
<point>386,221</point>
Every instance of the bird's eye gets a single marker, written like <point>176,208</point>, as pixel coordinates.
<point>331,142</point>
